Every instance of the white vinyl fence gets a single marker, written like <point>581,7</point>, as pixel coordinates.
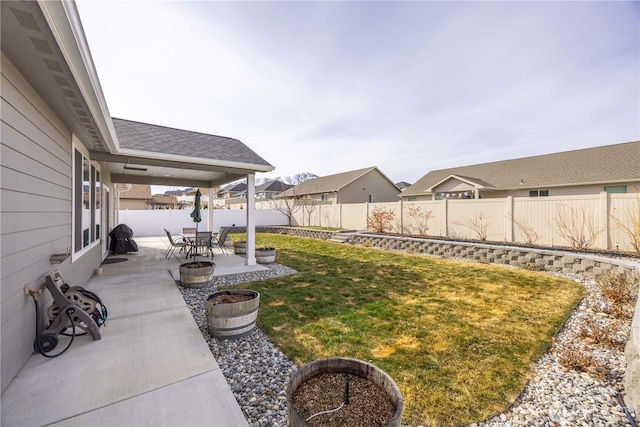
<point>146,223</point>
<point>597,220</point>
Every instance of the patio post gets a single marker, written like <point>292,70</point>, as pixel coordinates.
<point>251,219</point>
<point>210,208</point>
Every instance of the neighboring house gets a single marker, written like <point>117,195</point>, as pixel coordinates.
<point>62,156</point>
<point>135,197</point>
<point>233,191</point>
<point>164,202</point>
<point>268,190</point>
<point>358,186</point>
<point>609,168</point>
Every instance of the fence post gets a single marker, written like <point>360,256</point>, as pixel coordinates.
<point>446,217</point>
<point>401,216</point>
<point>509,236</point>
<point>603,218</point>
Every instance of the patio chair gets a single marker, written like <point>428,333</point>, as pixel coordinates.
<point>202,242</point>
<point>174,243</point>
<point>220,238</point>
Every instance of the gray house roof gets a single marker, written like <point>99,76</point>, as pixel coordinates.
<point>605,164</point>
<point>160,139</point>
<point>273,187</point>
<point>327,184</point>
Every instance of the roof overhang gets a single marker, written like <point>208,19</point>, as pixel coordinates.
<point>132,167</point>
<point>45,42</point>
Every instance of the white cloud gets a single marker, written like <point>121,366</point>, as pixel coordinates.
<point>410,87</point>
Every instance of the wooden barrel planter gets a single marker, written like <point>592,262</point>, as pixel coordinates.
<point>197,274</point>
<point>240,247</point>
<point>265,255</point>
<point>369,392</point>
<point>232,313</point>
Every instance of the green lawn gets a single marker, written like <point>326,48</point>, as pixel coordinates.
<point>460,339</point>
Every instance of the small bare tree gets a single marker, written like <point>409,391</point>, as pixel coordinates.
<point>421,220</point>
<point>381,220</point>
<point>577,226</point>
<point>288,206</point>
<point>309,206</point>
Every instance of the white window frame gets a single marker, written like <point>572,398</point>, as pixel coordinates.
<point>77,146</point>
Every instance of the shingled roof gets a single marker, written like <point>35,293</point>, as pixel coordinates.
<point>137,191</point>
<point>327,184</point>
<point>160,139</point>
<point>605,164</point>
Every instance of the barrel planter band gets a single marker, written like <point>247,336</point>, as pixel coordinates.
<point>197,274</point>
<point>265,255</point>
<point>232,319</point>
<point>240,247</point>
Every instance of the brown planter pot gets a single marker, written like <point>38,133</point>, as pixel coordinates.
<point>356,367</point>
<point>265,255</point>
<point>239,247</point>
<point>232,319</point>
<point>197,274</point>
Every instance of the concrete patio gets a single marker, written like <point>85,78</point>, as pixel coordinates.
<point>152,366</point>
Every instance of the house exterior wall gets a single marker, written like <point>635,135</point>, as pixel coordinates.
<point>134,204</point>
<point>371,183</point>
<point>36,199</point>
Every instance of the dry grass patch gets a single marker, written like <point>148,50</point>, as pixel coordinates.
<point>460,339</point>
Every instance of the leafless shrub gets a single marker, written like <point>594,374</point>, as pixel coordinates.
<point>531,236</point>
<point>581,360</point>
<point>381,220</point>
<point>577,226</point>
<point>619,292</point>
<point>479,225</point>
<point>421,219</point>
<point>602,333</point>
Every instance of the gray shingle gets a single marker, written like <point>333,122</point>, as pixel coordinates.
<point>159,139</point>
<point>609,163</point>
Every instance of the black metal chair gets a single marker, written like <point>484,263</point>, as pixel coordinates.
<point>177,242</point>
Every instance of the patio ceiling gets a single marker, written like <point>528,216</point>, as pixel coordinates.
<point>146,170</point>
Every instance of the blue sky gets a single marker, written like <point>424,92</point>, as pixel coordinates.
<point>327,87</point>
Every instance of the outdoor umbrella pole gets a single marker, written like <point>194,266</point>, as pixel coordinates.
<point>196,218</point>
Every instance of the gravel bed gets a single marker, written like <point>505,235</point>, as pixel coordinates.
<point>258,372</point>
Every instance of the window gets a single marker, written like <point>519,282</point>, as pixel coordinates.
<point>372,198</point>
<point>539,193</point>
<point>611,189</point>
<point>87,202</point>
<point>325,197</point>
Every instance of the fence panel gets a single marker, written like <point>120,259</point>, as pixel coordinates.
<point>555,219</point>
<point>484,219</point>
<point>624,220</point>
<point>425,218</point>
<point>354,216</point>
